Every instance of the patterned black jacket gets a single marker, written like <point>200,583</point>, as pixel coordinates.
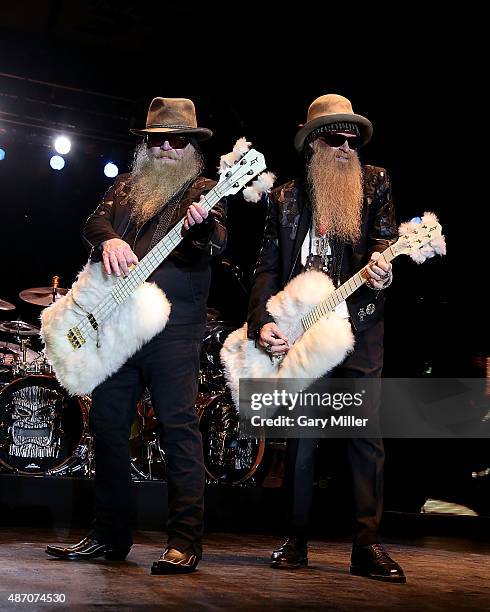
<point>287,224</point>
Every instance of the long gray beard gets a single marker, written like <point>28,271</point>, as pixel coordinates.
<point>153,183</point>
<point>337,194</point>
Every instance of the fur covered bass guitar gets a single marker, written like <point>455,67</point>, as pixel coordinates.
<point>91,331</point>
<point>305,312</point>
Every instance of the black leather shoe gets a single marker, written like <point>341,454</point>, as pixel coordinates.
<point>292,554</point>
<point>88,548</point>
<point>374,562</point>
<point>173,561</point>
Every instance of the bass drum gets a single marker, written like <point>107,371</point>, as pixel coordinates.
<point>43,431</point>
<point>228,458</point>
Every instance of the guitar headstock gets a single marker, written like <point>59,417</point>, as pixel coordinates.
<point>420,240</point>
<point>235,177</point>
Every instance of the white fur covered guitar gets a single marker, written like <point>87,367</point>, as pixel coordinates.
<point>304,311</point>
<point>103,320</point>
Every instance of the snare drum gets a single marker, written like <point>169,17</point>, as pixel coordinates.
<point>11,360</point>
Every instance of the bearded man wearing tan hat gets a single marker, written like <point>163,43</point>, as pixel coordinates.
<point>164,185</point>
<point>335,218</point>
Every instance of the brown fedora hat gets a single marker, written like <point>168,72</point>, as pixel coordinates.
<point>329,109</point>
<point>173,115</point>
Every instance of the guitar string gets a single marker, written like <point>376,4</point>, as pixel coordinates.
<point>103,309</point>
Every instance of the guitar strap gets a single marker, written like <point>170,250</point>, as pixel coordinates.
<point>338,248</point>
<point>168,213</point>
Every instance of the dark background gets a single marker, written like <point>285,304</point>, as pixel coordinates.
<point>90,69</point>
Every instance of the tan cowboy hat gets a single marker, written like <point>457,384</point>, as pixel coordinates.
<point>329,110</point>
<point>173,115</point>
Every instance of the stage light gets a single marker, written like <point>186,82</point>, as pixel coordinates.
<point>111,170</point>
<point>2,154</point>
<point>57,162</point>
<point>62,145</point>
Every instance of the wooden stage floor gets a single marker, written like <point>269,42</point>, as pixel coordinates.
<point>442,574</point>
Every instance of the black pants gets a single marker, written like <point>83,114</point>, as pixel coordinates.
<point>366,456</point>
<point>169,366</point>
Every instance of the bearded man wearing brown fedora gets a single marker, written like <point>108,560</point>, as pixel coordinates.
<point>335,218</point>
<point>164,186</point>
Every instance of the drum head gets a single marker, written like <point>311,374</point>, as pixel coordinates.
<point>227,457</point>
<point>41,427</point>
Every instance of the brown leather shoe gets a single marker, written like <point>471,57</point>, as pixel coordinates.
<point>173,561</point>
<point>88,548</point>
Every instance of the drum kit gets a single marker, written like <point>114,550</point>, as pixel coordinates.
<point>42,429</point>
<point>45,432</point>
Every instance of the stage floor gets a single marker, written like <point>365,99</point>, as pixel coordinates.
<point>442,574</point>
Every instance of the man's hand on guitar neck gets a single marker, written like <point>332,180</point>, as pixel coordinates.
<point>195,214</point>
<point>272,340</point>
<point>117,256</point>
<point>378,271</point>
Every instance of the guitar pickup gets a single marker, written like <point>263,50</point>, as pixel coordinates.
<point>93,321</point>
<point>76,338</point>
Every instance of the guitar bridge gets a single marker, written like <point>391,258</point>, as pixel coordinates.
<point>76,338</point>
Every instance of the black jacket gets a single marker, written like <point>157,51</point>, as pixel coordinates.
<point>287,224</point>
<point>185,275</point>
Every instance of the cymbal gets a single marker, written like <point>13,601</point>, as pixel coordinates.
<point>6,305</point>
<point>42,296</point>
<point>19,328</point>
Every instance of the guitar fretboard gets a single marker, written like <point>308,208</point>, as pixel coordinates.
<point>124,287</point>
<point>150,262</point>
<point>341,293</point>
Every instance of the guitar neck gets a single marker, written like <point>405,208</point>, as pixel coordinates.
<point>150,262</point>
<point>124,287</point>
<point>342,292</point>
<point>234,176</point>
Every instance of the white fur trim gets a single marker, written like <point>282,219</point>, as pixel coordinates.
<point>240,147</point>
<point>263,184</point>
<point>130,325</point>
<point>314,352</point>
<point>241,359</point>
<point>322,346</point>
<point>437,246</point>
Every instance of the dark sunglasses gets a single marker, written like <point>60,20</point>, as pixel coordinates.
<point>174,140</point>
<point>337,140</point>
